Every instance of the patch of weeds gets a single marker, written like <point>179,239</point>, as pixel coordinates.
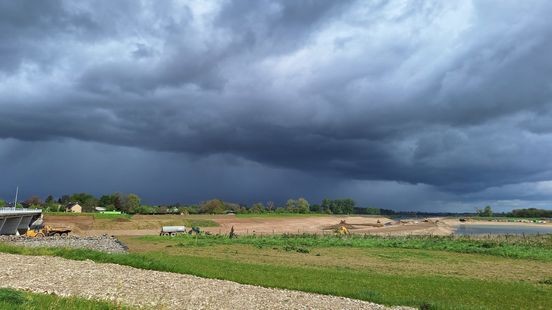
<point>371,295</point>
<point>426,306</point>
<point>12,297</point>
<point>298,249</point>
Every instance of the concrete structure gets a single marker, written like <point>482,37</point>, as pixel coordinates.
<point>73,207</point>
<point>14,221</point>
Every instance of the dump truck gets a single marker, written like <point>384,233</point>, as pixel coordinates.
<point>39,231</point>
<point>172,230</point>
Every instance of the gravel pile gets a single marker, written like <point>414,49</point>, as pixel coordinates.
<point>154,289</point>
<point>103,243</point>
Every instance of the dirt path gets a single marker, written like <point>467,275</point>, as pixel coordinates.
<point>153,289</point>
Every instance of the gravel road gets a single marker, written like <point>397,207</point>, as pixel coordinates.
<point>153,289</point>
<point>99,243</point>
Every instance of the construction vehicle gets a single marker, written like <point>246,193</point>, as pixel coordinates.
<point>342,230</point>
<point>195,230</point>
<point>172,230</point>
<point>39,231</point>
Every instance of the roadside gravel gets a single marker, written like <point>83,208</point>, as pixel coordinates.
<point>154,289</point>
<point>103,243</point>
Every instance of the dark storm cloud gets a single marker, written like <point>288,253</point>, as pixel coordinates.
<point>455,95</point>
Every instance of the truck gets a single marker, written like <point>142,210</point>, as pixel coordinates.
<point>47,231</point>
<point>172,230</point>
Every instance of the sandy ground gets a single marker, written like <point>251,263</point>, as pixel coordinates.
<point>264,225</point>
<point>321,225</point>
<point>154,289</point>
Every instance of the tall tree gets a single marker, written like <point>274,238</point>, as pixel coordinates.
<point>132,203</point>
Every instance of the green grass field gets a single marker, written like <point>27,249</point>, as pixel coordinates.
<point>414,271</point>
<point>19,300</point>
<point>529,247</point>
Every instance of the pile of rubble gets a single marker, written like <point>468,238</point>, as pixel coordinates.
<point>103,243</point>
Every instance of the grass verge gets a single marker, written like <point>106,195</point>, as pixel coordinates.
<point>15,299</point>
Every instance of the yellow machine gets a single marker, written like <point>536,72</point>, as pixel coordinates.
<point>47,230</point>
<point>342,230</point>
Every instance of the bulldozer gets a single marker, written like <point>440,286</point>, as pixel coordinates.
<point>39,231</point>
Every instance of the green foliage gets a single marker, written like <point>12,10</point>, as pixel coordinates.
<point>257,208</point>
<point>213,206</point>
<point>19,300</point>
<point>2,203</point>
<point>87,201</point>
<point>338,206</point>
<point>373,211</point>
<point>11,297</point>
<point>300,205</point>
<point>486,212</point>
<point>132,203</point>
<point>531,213</point>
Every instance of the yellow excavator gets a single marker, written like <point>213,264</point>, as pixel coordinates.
<point>39,231</point>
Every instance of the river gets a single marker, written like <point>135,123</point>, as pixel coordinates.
<point>475,229</point>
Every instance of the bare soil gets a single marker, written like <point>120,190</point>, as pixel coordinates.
<point>86,225</point>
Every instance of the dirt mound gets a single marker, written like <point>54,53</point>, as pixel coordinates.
<point>342,223</point>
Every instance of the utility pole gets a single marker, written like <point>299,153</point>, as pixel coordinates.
<point>16,193</point>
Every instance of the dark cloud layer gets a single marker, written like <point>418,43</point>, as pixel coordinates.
<point>451,98</point>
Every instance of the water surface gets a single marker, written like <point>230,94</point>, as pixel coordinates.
<point>475,229</point>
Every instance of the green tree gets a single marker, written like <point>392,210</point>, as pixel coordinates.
<point>49,200</point>
<point>2,203</point>
<point>257,208</point>
<point>213,206</point>
<point>132,203</point>
<point>314,208</point>
<point>302,205</point>
<point>65,199</point>
<point>291,206</point>
<point>87,201</point>
<point>106,200</point>
<point>347,205</point>
<point>487,211</point>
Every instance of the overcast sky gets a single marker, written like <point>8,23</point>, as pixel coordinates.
<point>426,105</point>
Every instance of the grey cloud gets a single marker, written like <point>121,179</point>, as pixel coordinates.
<point>454,96</point>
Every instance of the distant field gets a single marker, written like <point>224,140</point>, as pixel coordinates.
<point>14,299</point>
<point>378,272</point>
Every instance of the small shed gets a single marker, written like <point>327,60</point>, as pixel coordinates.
<point>73,207</point>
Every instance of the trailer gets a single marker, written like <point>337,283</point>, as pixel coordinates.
<point>172,230</point>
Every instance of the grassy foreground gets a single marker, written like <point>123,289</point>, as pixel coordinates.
<point>417,277</point>
<point>14,299</point>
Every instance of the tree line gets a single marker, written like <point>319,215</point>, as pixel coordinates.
<point>131,203</point>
